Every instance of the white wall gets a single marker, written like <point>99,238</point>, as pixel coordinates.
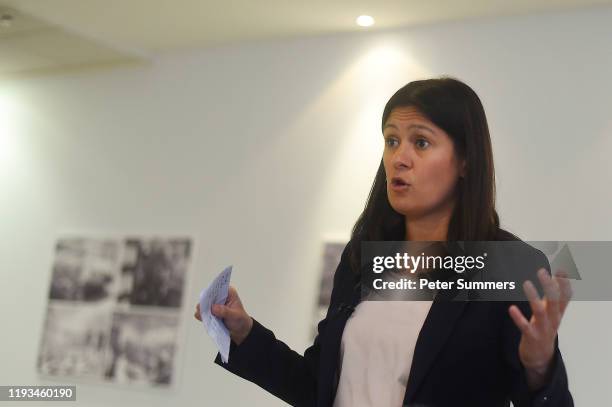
<point>261,150</point>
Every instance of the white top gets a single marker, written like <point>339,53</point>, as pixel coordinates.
<point>378,342</point>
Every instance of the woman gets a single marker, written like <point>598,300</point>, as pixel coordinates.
<point>435,183</point>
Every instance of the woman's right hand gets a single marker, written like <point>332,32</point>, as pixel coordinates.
<point>233,314</point>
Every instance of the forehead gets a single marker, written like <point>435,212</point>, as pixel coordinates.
<point>404,115</point>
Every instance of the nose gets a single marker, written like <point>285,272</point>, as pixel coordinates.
<point>402,157</point>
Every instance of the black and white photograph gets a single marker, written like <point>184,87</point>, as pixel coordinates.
<point>142,348</point>
<point>85,269</point>
<point>153,272</point>
<point>113,310</point>
<point>75,340</point>
<point>332,251</point>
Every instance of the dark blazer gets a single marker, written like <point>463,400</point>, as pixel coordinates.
<point>466,354</point>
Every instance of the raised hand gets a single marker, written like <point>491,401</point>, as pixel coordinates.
<point>537,345</point>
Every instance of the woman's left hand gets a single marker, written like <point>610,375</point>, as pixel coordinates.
<point>537,345</point>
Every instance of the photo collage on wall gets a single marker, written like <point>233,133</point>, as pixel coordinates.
<point>332,251</point>
<point>113,309</point>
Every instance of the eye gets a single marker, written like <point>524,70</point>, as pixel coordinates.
<point>389,141</point>
<point>422,143</point>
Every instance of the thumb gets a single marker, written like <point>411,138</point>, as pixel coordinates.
<point>221,311</point>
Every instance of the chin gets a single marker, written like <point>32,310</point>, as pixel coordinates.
<point>405,210</point>
<point>408,209</point>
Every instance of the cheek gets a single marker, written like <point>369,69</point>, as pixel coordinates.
<point>387,166</point>
<point>439,176</point>
<point>386,162</point>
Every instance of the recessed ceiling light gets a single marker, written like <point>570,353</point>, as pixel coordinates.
<point>365,21</point>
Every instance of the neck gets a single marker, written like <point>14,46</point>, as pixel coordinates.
<point>429,227</point>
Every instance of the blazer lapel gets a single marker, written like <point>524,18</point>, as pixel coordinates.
<point>435,331</point>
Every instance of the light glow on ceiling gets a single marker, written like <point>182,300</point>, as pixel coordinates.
<point>365,21</point>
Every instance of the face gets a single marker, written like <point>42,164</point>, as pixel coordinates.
<point>422,155</point>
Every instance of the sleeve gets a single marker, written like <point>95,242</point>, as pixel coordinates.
<point>268,362</point>
<point>555,393</point>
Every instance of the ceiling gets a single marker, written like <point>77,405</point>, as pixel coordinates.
<point>48,35</point>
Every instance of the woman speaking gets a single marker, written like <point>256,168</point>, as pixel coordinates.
<point>435,182</point>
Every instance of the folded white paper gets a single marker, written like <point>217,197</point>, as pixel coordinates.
<point>216,293</point>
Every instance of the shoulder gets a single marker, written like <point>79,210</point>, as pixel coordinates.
<point>518,259</point>
<point>518,247</point>
<point>504,235</point>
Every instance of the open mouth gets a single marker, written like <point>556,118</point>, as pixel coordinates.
<point>399,183</point>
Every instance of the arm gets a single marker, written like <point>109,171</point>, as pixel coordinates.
<point>268,362</point>
<point>272,365</point>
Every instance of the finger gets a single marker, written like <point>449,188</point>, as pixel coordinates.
<point>537,305</point>
<point>220,311</point>
<point>197,315</point>
<point>552,295</point>
<point>565,288</point>
<point>520,321</point>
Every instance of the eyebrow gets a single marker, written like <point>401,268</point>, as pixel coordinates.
<point>412,126</point>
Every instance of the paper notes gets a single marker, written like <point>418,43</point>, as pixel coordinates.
<point>216,293</point>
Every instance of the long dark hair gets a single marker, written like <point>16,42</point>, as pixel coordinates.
<point>454,107</point>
